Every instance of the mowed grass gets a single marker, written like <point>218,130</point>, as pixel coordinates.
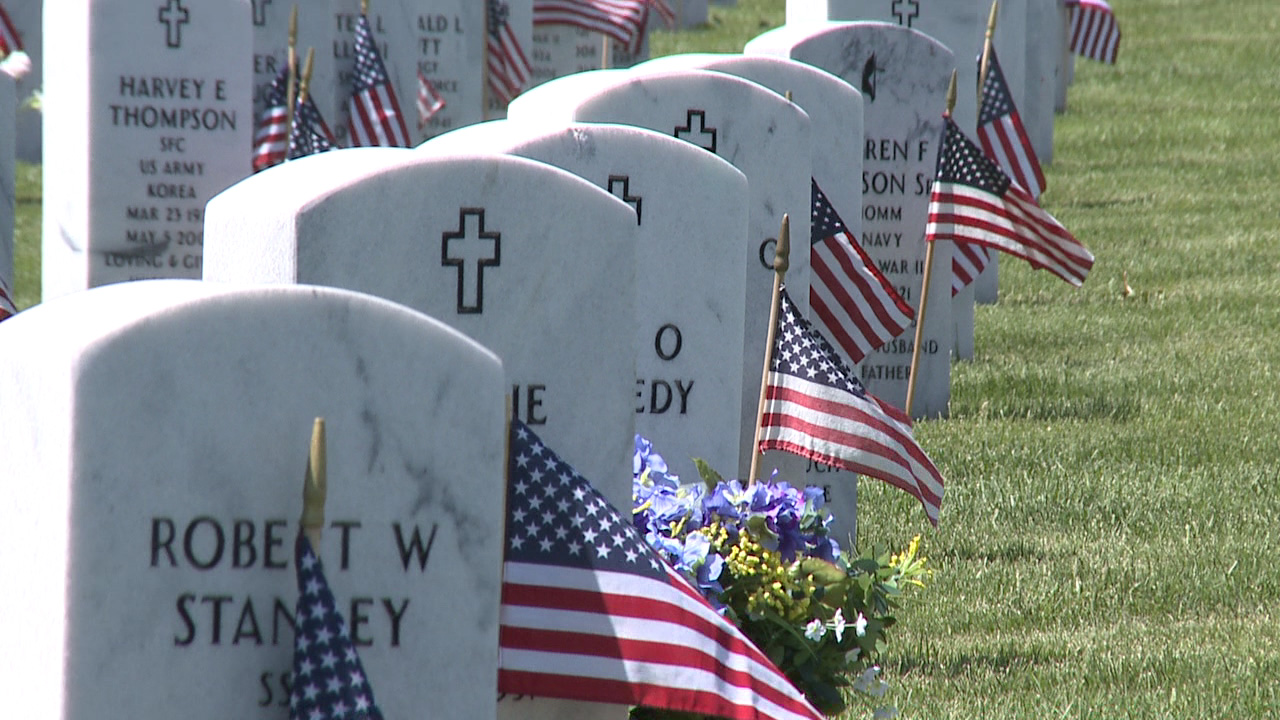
<point>1108,543</point>
<point>1108,539</point>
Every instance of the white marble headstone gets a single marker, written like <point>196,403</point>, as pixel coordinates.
<point>835,114</point>
<point>450,54</point>
<point>534,262</point>
<point>1046,36</point>
<point>519,32</point>
<point>756,130</point>
<point>903,75</point>
<point>157,436</point>
<point>316,29</point>
<point>560,50</point>
<point>690,272</point>
<point>151,106</point>
<point>8,190</point>
<point>27,17</point>
<point>961,25</point>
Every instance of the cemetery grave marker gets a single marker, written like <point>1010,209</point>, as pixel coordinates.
<point>316,29</point>
<point>689,265</point>
<point>1046,38</point>
<point>835,113</point>
<point>157,436</point>
<point>756,130</point>
<point>530,260</point>
<point>560,50</point>
<point>961,25</point>
<point>152,107</point>
<point>903,75</point>
<point>27,18</point>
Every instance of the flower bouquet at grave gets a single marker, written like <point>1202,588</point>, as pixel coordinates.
<point>760,553</point>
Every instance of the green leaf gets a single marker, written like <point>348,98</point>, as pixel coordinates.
<point>823,572</point>
<point>708,474</point>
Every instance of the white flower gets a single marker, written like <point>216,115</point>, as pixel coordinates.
<point>837,624</point>
<point>16,65</point>
<point>860,625</point>
<point>815,630</point>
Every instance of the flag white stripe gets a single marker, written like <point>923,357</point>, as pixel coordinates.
<point>1008,230</point>
<point>541,618</point>
<point>895,459</point>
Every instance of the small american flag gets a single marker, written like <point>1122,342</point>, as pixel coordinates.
<point>7,308</point>
<point>665,12</point>
<point>967,263</point>
<point>10,38</point>
<point>974,202</point>
<point>270,139</point>
<point>328,680</point>
<point>589,612</point>
<point>376,119</point>
<point>622,20</point>
<point>849,298</point>
<point>816,408</point>
<point>1094,32</point>
<point>430,101</point>
<point>508,68</point>
<point>1002,135</point>
<point>311,134</point>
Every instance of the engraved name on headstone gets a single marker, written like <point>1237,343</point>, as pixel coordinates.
<point>151,103</point>
<point>903,75</point>
<point>157,441</point>
<point>691,216</point>
<point>755,129</point>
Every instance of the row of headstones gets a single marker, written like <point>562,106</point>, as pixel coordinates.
<point>444,39</point>
<point>546,269</point>
<point>897,164</point>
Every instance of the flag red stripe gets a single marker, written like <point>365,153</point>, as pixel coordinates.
<point>635,651</point>
<point>903,452</point>
<point>804,433</point>
<point>1043,243</point>
<point>579,631</point>
<point>10,39</point>
<point>879,298</point>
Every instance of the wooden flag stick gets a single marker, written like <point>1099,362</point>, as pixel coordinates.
<point>304,87</point>
<point>604,51</point>
<point>315,488</point>
<point>364,7</point>
<point>924,285</point>
<point>781,261</point>
<point>291,94</point>
<point>985,63</point>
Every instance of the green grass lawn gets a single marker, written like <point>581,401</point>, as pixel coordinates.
<point>1108,541</point>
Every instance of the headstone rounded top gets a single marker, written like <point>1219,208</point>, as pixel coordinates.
<point>579,139</point>
<point>560,100</point>
<point>98,317</point>
<point>309,181</point>
<point>757,68</point>
<point>779,39</point>
<point>294,182</point>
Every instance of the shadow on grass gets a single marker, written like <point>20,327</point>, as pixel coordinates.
<point>1080,404</point>
<point>955,664</point>
<point>1010,551</point>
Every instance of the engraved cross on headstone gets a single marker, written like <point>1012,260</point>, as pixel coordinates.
<point>474,250</point>
<point>906,11</point>
<point>174,16</point>
<point>702,136</point>
<point>260,12</point>
<point>620,187</point>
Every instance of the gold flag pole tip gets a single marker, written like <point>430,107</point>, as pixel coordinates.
<point>315,485</point>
